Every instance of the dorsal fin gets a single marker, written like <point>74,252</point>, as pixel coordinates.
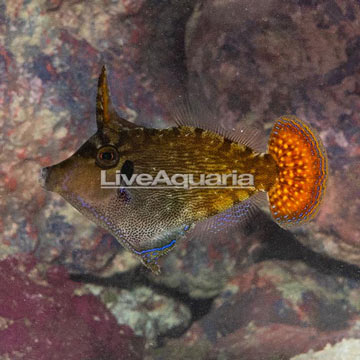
<point>200,114</point>
<point>106,116</point>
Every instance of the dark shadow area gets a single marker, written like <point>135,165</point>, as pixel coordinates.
<point>137,277</point>
<point>280,244</point>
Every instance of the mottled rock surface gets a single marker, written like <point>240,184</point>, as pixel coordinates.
<point>41,317</point>
<point>255,61</point>
<point>346,349</point>
<point>272,310</point>
<point>150,314</point>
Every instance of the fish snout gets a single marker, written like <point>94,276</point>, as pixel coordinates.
<point>44,175</point>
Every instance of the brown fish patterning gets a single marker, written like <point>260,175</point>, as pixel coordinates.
<point>149,221</point>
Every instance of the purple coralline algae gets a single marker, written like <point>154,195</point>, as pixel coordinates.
<point>260,293</point>
<point>43,318</point>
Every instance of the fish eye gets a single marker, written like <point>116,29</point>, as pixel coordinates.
<point>107,156</point>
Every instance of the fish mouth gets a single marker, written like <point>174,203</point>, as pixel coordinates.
<point>44,175</point>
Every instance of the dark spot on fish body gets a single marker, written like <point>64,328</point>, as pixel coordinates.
<point>226,146</point>
<point>198,132</point>
<point>149,134</point>
<point>175,131</point>
<point>127,168</point>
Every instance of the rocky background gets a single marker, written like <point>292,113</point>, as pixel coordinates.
<point>68,290</point>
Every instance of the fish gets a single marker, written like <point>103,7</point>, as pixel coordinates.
<point>290,173</point>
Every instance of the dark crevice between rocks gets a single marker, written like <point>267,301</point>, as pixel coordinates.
<point>137,277</point>
<point>165,55</point>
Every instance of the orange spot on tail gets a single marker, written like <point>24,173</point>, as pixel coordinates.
<point>302,164</point>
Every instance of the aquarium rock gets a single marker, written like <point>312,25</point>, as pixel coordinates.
<point>41,317</point>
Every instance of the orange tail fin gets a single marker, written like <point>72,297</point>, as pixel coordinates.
<point>303,171</point>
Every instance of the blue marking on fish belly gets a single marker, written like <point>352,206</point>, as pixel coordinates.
<point>171,243</point>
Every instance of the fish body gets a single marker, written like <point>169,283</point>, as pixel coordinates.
<point>149,220</point>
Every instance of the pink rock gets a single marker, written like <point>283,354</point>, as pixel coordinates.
<point>274,310</point>
<point>42,318</point>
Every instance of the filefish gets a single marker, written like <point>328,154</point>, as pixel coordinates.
<point>291,173</point>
